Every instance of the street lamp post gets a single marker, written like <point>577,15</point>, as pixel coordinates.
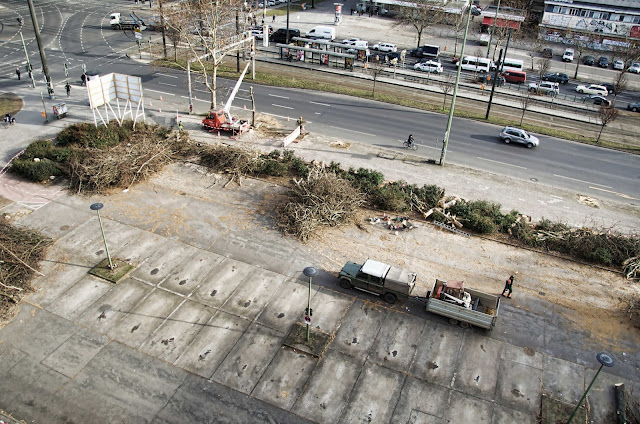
<point>309,272</point>
<point>605,361</point>
<point>96,207</point>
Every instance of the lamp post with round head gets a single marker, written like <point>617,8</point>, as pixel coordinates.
<point>96,207</point>
<point>309,272</point>
<point>605,361</point>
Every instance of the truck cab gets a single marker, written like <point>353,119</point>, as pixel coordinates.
<point>115,19</point>
<point>389,282</point>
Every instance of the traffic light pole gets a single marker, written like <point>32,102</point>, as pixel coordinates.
<point>43,57</point>
<point>26,54</point>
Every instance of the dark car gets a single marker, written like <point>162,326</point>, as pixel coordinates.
<point>610,87</point>
<point>280,36</point>
<point>599,100</point>
<point>548,53</point>
<point>634,107</point>
<point>588,60</point>
<point>603,62</point>
<point>556,77</point>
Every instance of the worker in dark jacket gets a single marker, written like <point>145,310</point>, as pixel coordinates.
<point>508,286</point>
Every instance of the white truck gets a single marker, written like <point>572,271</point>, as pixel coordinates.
<point>117,21</point>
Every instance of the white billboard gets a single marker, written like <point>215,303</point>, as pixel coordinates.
<point>119,88</point>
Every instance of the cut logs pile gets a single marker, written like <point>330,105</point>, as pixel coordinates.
<point>442,207</point>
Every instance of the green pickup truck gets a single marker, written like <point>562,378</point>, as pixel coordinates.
<point>389,282</point>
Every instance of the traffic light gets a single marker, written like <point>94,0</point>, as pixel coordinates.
<point>308,311</point>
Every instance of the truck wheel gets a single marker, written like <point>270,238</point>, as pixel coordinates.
<point>345,284</point>
<point>390,298</point>
<point>464,325</point>
<point>453,321</point>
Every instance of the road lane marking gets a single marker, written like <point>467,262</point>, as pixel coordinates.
<point>278,116</point>
<point>161,92</point>
<point>164,83</point>
<point>281,97</point>
<point>501,163</point>
<point>285,107</point>
<point>242,98</point>
<point>165,75</point>
<point>581,181</point>
<point>625,196</point>
<point>321,104</point>
<point>346,129</point>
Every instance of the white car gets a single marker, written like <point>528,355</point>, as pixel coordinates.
<point>545,87</point>
<point>385,47</point>
<point>635,68</point>
<point>429,66</point>
<point>271,3</point>
<point>618,64</point>
<point>350,41</point>
<point>257,33</point>
<point>592,89</point>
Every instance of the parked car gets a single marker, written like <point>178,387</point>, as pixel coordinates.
<point>545,87</point>
<point>603,62</point>
<point>517,135</point>
<point>556,77</point>
<point>429,66</point>
<point>634,107</point>
<point>634,68</point>
<point>599,100</point>
<point>610,87</point>
<point>280,35</point>
<point>385,47</point>
<point>568,55</point>
<point>592,89</point>
<point>515,77</point>
<point>548,53</point>
<point>588,60</point>
<point>350,41</point>
<point>618,65</point>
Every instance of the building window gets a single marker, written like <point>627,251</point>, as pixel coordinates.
<point>583,12</point>
<point>636,19</point>
<point>574,12</point>
<point>605,15</point>
<point>590,14</point>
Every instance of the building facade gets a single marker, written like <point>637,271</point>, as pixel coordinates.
<point>603,24</point>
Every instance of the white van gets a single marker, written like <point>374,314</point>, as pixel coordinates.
<point>354,46</point>
<point>326,33</point>
<point>476,64</point>
<point>568,55</point>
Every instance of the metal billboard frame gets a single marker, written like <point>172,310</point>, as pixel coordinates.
<point>116,87</point>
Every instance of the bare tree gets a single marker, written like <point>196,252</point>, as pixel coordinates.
<point>423,16</point>
<point>543,66</point>
<point>524,102</point>
<point>458,21</point>
<point>619,84</point>
<point>537,46</point>
<point>375,68</point>
<point>607,114</point>
<point>580,44</point>
<point>446,85</point>
<point>174,36</point>
<point>206,28</point>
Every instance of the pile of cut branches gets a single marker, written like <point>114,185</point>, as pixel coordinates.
<point>235,161</point>
<point>321,199</point>
<point>20,252</point>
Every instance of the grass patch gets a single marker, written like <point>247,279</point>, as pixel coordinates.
<point>275,80</point>
<point>10,103</point>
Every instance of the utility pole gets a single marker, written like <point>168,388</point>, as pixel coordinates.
<point>493,86</point>
<point>43,57</point>
<point>493,27</point>
<point>445,142</point>
<point>29,68</point>
<point>237,33</point>
<point>288,4</point>
<point>164,39</point>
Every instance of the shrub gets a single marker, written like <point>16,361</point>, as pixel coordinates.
<point>289,156</point>
<point>429,194</point>
<point>366,180</point>
<point>35,171</point>
<point>299,167</point>
<point>390,197</point>
<point>38,149</point>
<point>481,223</point>
<point>335,168</point>
<point>273,168</point>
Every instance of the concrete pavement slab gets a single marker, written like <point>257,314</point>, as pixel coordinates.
<point>58,280</point>
<point>602,395</point>
<point>37,332</point>
<point>9,356</point>
<point>437,353</point>
<point>420,400</point>
<point>246,362</point>
<point>145,318</point>
<point>118,384</point>
<point>519,387</point>
<point>79,241</point>
<point>396,343</point>
<point>177,332</point>
<point>257,248</point>
<point>522,326</point>
<point>328,309</point>
<point>374,396</point>
<point>72,356</point>
<point>463,408</point>
<point>60,217</point>
<point>285,378</point>
<point>359,328</point>
<point>136,251</point>
<point>162,261</point>
<point>287,306</point>
<point>505,415</point>
<point>202,401</point>
<point>563,380</point>
<point>327,391</point>
<point>31,385</point>
<point>523,355</point>
<point>191,272</point>
<point>222,281</point>
<point>212,344</point>
<point>103,315</point>
<point>73,302</point>
<point>253,293</point>
<point>477,368</point>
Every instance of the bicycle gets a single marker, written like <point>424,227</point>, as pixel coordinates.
<point>408,145</point>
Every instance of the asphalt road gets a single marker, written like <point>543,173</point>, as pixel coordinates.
<point>78,33</point>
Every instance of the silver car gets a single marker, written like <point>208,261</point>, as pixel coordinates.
<point>518,135</point>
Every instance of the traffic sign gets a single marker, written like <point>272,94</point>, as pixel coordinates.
<point>307,319</point>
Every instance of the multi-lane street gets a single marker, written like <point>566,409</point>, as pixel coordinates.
<point>77,33</point>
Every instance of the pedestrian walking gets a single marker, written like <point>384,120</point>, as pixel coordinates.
<point>180,126</point>
<point>68,88</point>
<point>274,18</point>
<point>18,73</point>
<point>508,286</point>
<point>30,75</point>
<point>84,78</point>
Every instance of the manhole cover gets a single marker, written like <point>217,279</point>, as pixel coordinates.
<point>535,180</point>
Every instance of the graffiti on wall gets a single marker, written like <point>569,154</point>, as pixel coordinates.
<point>597,26</point>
